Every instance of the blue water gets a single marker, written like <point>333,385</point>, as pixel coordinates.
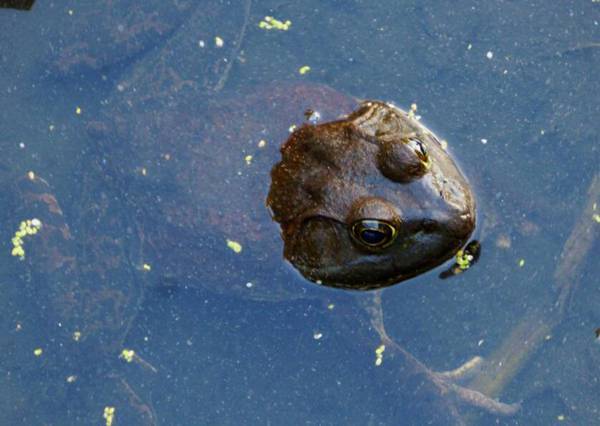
<point>512,86</point>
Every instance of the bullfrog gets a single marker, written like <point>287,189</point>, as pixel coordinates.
<point>184,185</point>
<point>369,200</point>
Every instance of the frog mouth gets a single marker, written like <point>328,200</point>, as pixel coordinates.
<point>325,275</point>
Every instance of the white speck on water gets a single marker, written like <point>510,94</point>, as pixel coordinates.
<point>484,141</point>
<point>314,117</point>
<point>489,54</point>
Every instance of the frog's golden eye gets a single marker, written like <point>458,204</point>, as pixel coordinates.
<point>373,233</point>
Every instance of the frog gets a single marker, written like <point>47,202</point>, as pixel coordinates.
<point>370,200</point>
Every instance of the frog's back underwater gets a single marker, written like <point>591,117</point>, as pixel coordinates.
<point>197,177</point>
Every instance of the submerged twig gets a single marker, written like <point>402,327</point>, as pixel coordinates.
<point>508,359</point>
<point>443,381</point>
<point>236,50</point>
<point>145,410</point>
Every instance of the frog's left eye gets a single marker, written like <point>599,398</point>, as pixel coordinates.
<point>403,160</point>
<point>373,233</point>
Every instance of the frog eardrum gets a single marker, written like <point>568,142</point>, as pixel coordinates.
<point>369,200</point>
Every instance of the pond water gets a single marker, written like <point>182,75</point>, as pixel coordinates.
<point>512,86</point>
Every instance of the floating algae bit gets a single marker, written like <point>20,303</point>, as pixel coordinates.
<point>379,355</point>
<point>463,260</point>
<point>234,245</point>
<point>26,227</point>
<point>109,415</point>
<point>270,23</point>
<point>127,354</point>
<point>304,69</point>
<point>412,111</point>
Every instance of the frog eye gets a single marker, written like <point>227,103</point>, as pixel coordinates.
<point>403,160</point>
<point>419,148</point>
<point>373,233</point>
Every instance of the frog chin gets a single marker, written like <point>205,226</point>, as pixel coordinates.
<point>338,276</point>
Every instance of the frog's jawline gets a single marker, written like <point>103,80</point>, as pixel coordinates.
<point>319,275</point>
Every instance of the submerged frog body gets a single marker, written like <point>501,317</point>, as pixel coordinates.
<point>369,200</point>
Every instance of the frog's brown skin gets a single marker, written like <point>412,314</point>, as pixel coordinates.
<point>379,165</point>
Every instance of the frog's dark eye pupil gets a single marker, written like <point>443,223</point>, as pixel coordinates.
<point>373,233</point>
<point>372,237</point>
